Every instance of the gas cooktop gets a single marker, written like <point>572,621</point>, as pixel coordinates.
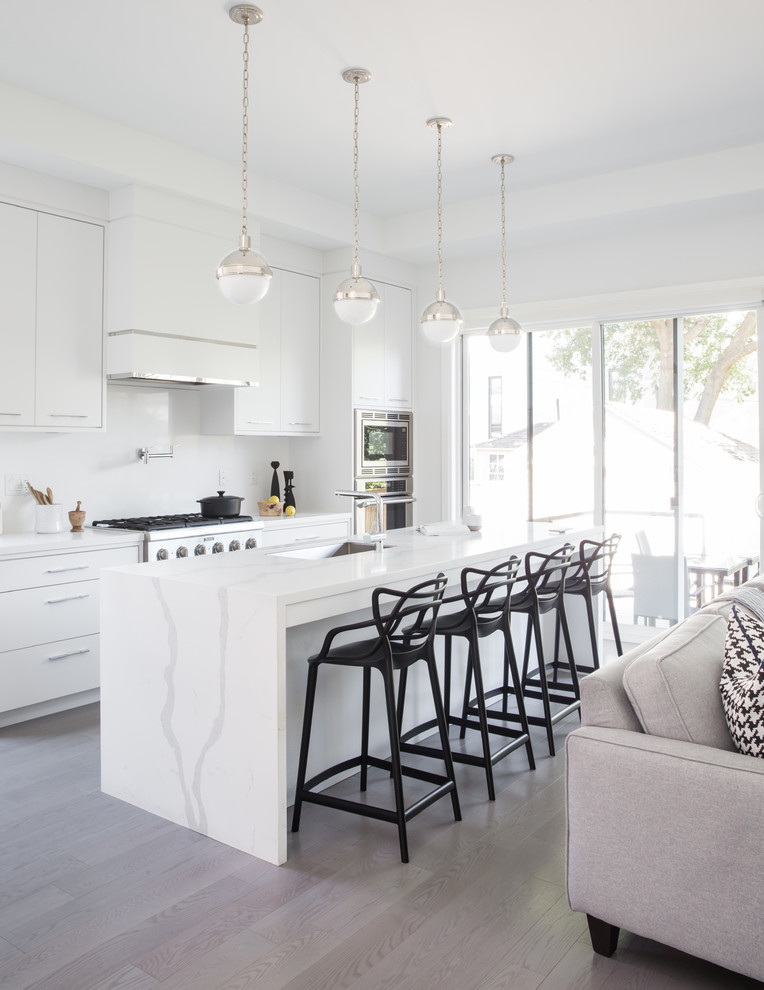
<point>148,524</point>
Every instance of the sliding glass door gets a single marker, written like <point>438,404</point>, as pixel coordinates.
<point>651,426</point>
<point>640,468</point>
<point>529,441</point>
<point>681,461</point>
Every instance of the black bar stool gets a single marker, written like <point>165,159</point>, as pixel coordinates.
<point>485,611</point>
<point>393,640</point>
<point>588,577</point>
<point>543,591</point>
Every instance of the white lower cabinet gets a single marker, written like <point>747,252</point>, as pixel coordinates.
<point>292,532</point>
<point>286,402</point>
<point>49,616</point>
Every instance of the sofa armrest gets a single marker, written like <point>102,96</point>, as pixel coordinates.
<point>664,839</point>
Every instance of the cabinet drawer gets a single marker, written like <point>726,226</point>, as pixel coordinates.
<point>45,615</point>
<point>314,533</point>
<point>61,568</point>
<point>41,673</point>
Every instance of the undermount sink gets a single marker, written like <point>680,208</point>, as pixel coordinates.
<point>322,550</point>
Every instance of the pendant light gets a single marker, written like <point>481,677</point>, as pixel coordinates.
<point>244,275</point>
<point>441,321</point>
<point>504,333</point>
<point>356,299</point>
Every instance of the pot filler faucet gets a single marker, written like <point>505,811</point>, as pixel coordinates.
<point>374,534</point>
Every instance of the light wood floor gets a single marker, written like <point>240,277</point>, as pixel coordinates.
<point>97,895</point>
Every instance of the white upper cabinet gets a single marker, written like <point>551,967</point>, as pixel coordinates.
<point>18,278</point>
<point>287,400</point>
<point>300,353</point>
<point>51,321</point>
<point>382,353</point>
<point>69,389</point>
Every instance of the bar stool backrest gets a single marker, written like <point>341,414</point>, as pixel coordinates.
<point>489,598</point>
<point>406,619</point>
<point>545,574</point>
<point>596,559</point>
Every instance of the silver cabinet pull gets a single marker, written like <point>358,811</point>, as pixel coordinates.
<point>71,653</point>
<point>296,423</point>
<point>260,422</point>
<point>68,415</point>
<point>370,398</point>
<point>69,598</point>
<point>9,414</point>
<point>75,567</point>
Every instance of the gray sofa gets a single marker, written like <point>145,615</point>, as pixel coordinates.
<point>665,818</point>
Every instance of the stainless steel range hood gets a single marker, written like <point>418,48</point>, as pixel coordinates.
<point>144,354</point>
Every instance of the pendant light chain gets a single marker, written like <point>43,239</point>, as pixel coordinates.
<point>245,130</point>
<point>503,243</point>
<point>440,214</point>
<point>356,211</point>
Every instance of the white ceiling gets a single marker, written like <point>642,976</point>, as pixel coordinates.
<point>571,89</point>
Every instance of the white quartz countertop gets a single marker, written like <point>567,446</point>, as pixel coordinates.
<point>410,556</point>
<point>16,544</point>
<point>301,518</point>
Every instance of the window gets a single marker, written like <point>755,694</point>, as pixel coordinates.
<point>496,467</point>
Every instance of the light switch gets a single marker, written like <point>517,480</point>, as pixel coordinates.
<point>15,485</point>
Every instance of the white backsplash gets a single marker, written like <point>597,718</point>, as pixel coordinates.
<point>104,472</point>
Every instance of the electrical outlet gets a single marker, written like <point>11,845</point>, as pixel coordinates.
<point>254,480</point>
<point>222,478</point>
<point>15,484</point>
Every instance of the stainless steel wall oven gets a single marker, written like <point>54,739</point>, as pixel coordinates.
<point>382,443</point>
<point>383,466</point>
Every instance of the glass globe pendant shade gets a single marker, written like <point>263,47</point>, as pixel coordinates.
<point>504,334</point>
<point>441,321</point>
<point>244,275</point>
<point>356,299</point>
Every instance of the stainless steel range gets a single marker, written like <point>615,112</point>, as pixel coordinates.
<point>189,535</point>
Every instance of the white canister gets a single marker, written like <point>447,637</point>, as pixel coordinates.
<point>49,518</point>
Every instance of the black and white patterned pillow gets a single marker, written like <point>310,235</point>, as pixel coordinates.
<point>742,683</point>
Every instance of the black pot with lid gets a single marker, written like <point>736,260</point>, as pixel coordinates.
<point>215,506</point>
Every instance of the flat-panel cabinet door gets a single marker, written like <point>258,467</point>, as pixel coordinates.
<point>300,353</point>
<point>69,351</point>
<point>18,264</point>
<point>258,409</point>
<point>397,303</point>
<point>369,358</point>
<point>382,353</point>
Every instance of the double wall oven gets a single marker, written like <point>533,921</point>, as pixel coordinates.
<point>383,466</point>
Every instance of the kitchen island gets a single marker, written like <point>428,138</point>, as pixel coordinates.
<point>203,671</point>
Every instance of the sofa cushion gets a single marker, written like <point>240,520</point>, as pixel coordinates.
<point>674,686</point>
<point>742,683</point>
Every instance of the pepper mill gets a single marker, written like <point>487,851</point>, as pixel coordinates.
<point>289,489</point>
<point>275,481</point>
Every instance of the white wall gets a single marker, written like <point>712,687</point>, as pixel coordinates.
<point>104,471</point>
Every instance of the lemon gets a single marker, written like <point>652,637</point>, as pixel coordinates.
<point>289,511</point>
<point>273,498</point>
